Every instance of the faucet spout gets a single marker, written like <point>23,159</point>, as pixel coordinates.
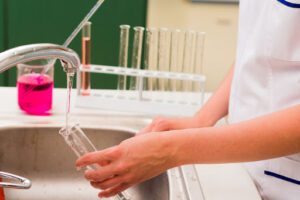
<point>26,53</point>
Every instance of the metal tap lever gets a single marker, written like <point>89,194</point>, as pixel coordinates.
<point>22,183</point>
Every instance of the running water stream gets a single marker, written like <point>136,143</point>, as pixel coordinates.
<point>70,78</point>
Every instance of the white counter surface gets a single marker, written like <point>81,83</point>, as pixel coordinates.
<point>219,182</point>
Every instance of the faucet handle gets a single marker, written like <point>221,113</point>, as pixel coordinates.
<point>23,183</point>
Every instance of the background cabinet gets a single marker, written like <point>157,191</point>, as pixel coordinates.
<point>51,21</point>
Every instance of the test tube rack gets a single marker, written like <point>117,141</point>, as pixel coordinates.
<point>140,101</point>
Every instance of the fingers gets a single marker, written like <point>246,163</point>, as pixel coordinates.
<point>147,129</point>
<point>104,163</point>
<point>157,125</point>
<point>114,191</point>
<point>101,174</point>
<point>91,158</point>
<point>161,124</point>
<point>109,183</point>
<point>100,157</point>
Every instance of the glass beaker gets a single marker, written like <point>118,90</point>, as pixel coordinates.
<point>35,87</point>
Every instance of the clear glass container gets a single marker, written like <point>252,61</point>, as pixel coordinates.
<point>78,142</point>
<point>81,145</point>
<point>123,54</point>
<point>35,84</point>
<point>86,59</point>
<point>136,54</point>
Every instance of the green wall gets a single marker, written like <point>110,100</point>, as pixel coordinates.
<point>44,21</point>
<point>2,45</point>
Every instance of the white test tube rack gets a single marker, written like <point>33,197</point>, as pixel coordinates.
<point>140,101</point>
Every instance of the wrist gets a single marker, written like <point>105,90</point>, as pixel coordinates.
<point>204,119</point>
<point>173,146</point>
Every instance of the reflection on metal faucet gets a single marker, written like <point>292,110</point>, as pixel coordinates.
<point>31,52</point>
<point>23,182</point>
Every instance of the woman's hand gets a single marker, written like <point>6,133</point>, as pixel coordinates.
<point>133,161</point>
<point>167,124</point>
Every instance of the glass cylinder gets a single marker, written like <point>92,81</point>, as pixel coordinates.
<point>163,56</point>
<point>174,56</point>
<point>35,87</point>
<point>123,54</point>
<point>86,58</point>
<point>136,54</point>
<point>78,141</point>
<point>151,55</point>
<point>198,65</point>
<point>188,57</point>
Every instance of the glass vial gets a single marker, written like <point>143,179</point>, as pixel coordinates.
<point>136,54</point>
<point>174,56</point>
<point>198,65</point>
<point>77,140</point>
<point>188,57</point>
<point>86,59</point>
<point>123,54</point>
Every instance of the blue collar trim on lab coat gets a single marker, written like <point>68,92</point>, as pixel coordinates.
<point>289,4</point>
<point>291,180</point>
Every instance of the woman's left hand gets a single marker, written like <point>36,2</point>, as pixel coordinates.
<point>133,161</point>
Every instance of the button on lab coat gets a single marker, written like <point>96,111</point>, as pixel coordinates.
<point>267,79</point>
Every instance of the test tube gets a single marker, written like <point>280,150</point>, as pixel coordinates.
<point>147,57</point>
<point>163,56</point>
<point>77,140</point>
<point>151,55</point>
<point>123,54</point>
<point>136,54</point>
<point>174,55</point>
<point>181,45</point>
<point>188,57</point>
<point>199,52</point>
<point>86,59</point>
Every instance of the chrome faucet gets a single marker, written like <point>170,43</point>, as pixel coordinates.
<point>26,53</point>
<point>22,183</point>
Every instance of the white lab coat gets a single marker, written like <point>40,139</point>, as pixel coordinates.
<point>267,79</point>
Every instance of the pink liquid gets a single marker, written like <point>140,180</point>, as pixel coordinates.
<point>35,93</point>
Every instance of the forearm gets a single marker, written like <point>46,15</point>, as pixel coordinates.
<point>266,137</point>
<point>211,112</point>
<point>217,106</point>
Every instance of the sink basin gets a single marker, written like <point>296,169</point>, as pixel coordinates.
<point>41,155</point>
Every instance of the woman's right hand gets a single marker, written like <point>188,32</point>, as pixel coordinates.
<point>213,110</point>
<point>166,124</point>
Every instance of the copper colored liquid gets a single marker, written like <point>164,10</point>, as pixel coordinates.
<point>86,61</point>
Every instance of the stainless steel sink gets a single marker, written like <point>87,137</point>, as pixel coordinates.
<point>41,155</point>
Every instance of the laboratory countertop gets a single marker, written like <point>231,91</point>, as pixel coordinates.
<point>218,181</point>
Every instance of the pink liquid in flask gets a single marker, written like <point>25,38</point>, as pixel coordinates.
<point>35,93</point>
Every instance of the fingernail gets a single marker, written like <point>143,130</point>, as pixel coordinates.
<point>87,172</point>
<point>100,196</point>
<point>78,168</point>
